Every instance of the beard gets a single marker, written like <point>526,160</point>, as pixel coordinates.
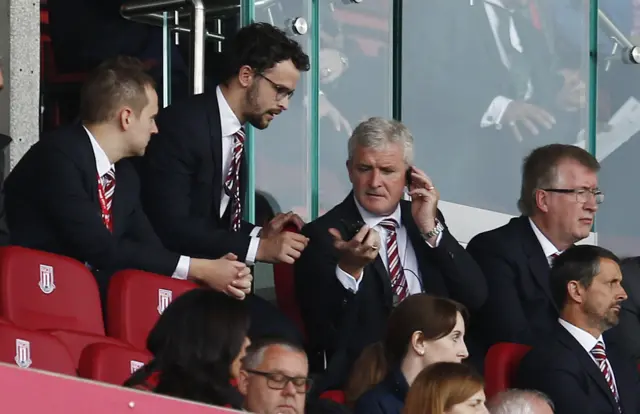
<point>255,116</point>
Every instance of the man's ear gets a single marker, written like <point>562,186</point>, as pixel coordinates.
<point>243,382</point>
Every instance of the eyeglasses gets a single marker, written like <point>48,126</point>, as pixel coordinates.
<point>281,91</point>
<point>582,194</point>
<point>277,381</point>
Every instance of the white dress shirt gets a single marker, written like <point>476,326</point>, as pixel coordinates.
<point>547,247</point>
<point>497,107</point>
<point>103,165</point>
<point>587,341</point>
<point>230,125</point>
<point>406,253</point>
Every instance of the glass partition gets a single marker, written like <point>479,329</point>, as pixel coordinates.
<point>618,140</point>
<point>485,82</point>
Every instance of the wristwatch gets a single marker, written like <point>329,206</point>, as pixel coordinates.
<point>435,232</point>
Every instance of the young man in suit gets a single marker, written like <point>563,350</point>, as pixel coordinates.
<point>76,194</point>
<point>194,171</point>
<point>559,198</point>
<point>574,366</point>
<point>349,278</point>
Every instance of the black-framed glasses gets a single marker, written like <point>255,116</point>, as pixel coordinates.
<point>582,194</point>
<point>281,90</point>
<point>278,381</point>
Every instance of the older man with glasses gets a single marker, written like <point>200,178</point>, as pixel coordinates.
<point>273,379</point>
<point>558,200</point>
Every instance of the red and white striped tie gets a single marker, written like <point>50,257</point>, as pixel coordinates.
<point>600,356</point>
<point>109,186</point>
<point>232,182</point>
<point>396,272</point>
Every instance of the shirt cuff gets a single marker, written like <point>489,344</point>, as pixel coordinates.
<point>437,240</point>
<point>182,269</point>
<point>348,282</point>
<point>495,112</point>
<point>255,231</point>
<point>250,259</point>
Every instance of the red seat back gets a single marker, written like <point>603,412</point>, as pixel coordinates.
<point>135,301</point>
<point>76,342</point>
<point>41,290</point>
<point>33,349</point>
<point>335,395</point>
<point>111,363</point>
<point>283,279</point>
<point>501,365</point>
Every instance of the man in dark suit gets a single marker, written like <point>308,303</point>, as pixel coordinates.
<point>194,177</point>
<point>574,366</point>
<point>195,169</point>
<point>627,333</point>
<point>558,200</point>
<point>347,280</point>
<point>75,193</point>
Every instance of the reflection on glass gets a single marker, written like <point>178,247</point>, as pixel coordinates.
<point>618,140</point>
<point>485,82</point>
<point>282,171</point>
<point>355,83</point>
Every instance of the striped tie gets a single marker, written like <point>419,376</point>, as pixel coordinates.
<point>109,187</point>
<point>396,272</point>
<point>601,359</point>
<point>232,182</point>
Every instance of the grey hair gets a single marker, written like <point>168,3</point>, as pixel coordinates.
<point>516,401</point>
<point>378,132</point>
<point>255,352</point>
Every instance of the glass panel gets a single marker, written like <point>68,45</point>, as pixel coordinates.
<point>355,83</point>
<point>463,60</point>
<point>281,150</point>
<point>618,141</point>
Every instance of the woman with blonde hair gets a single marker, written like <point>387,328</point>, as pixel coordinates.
<point>446,388</point>
<point>421,331</point>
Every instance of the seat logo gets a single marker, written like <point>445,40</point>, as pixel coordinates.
<point>23,353</point>
<point>164,299</point>
<point>136,365</point>
<point>46,283</point>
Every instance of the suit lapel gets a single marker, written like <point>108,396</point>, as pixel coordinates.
<point>537,260</point>
<point>215,136</point>
<point>417,242</point>
<point>587,363</point>
<point>351,214</point>
<point>119,197</point>
<point>620,366</point>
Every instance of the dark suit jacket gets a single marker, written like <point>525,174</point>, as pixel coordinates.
<point>182,181</point>
<point>52,205</point>
<point>387,397</point>
<point>519,307</point>
<point>336,319</point>
<point>627,334</point>
<point>561,368</point>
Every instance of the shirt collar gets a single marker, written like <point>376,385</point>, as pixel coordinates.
<point>586,340</point>
<point>103,165</point>
<point>229,123</point>
<point>547,247</point>
<point>373,220</point>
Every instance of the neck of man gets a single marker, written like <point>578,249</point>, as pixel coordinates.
<point>576,317</point>
<point>111,142</point>
<point>235,98</point>
<point>553,234</point>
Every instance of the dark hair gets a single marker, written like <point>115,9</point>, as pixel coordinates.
<point>255,351</point>
<point>326,406</point>
<point>261,46</point>
<point>434,316</point>
<point>539,170</point>
<point>194,343</point>
<point>578,263</point>
<point>440,386</point>
<point>114,83</point>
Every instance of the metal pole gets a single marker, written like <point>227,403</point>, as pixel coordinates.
<point>197,46</point>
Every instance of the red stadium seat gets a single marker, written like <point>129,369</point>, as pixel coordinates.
<point>76,342</point>
<point>41,290</point>
<point>33,349</point>
<point>501,365</point>
<point>335,395</point>
<point>111,363</point>
<point>283,278</point>
<point>135,301</point>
